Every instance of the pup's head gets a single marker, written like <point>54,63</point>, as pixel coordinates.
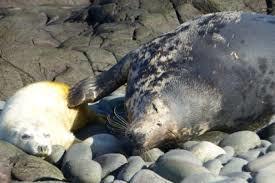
<point>33,141</point>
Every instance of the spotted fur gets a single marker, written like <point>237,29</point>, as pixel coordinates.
<point>215,71</point>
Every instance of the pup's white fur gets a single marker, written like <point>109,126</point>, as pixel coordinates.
<point>37,117</point>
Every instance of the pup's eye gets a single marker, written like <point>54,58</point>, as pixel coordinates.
<point>26,136</point>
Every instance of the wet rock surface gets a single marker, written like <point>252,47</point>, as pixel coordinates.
<point>68,40</point>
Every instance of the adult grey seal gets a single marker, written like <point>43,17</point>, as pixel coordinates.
<point>213,72</point>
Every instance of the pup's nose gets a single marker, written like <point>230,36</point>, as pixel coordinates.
<point>43,150</point>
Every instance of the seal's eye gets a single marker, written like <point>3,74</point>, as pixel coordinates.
<point>26,136</point>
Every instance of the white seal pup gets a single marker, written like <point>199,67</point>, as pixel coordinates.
<point>37,117</point>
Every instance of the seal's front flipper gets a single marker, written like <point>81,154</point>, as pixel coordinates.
<point>92,89</point>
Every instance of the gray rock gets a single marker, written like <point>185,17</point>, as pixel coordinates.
<point>264,177</point>
<point>91,129</point>
<point>31,168</point>
<point>250,155</point>
<point>271,148</point>
<point>187,11</point>
<point>206,151</point>
<point>232,180</point>
<point>268,168</point>
<point>243,175</point>
<point>188,145</point>
<point>152,155</point>
<point>82,170</point>
<point>272,139</point>
<point>8,151</point>
<point>229,150</point>
<point>265,143</point>
<point>135,163</point>
<point>102,59</point>
<point>104,144</point>
<point>214,166</point>
<point>224,158</point>
<point>225,5</point>
<point>148,176</point>
<point>5,172</point>
<point>56,155</point>
<point>108,179</point>
<point>182,156</point>
<point>110,162</point>
<point>202,178</point>
<point>2,104</point>
<point>119,181</point>
<point>234,165</point>
<point>77,152</point>
<point>175,168</point>
<point>212,136</point>
<point>261,162</point>
<point>241,141</point>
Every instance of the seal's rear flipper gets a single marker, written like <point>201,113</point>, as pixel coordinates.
<point>92,89</point>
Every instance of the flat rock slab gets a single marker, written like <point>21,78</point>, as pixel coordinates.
<point>31,168</point>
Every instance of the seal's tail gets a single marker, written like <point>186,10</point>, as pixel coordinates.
<point>117,122</point>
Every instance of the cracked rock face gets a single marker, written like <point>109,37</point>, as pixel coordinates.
<point>68,40</point>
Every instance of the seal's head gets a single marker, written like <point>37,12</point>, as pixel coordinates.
<point>151,132</point>
<point>33,141</point>
<point>151,126</point>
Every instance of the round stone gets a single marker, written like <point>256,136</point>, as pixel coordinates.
<point>31,168</point>
<point>2,104</point>
<point>104,144</point>
<point>181,155</point>
<point>212,136</point>
<point>175,168</point>
<point>232,180</point>
<point>264,177</point>
<point>241,141</point>
<point>224,158</point>
<point>271,148</point>
<point>119,181</point>
<point>5,172</point>
<point>110,162</point>
<point>250,155</point>
<point>8,151</point>
<point>152,155</point>
<point>188,145</point>
<point>243,175</point>
<point>261,162</point>
<point>265,143</point>
<point>77,152</point>
<point>202,178</point>
<point>108,179</point>
<point>206,151</point>
<point>234,165</point>
<point>135,163</point>
<point>56,155</point>
<point>82,170</point>
<point>148,176</point>
<point>272,139</point>
<point>214,166</point>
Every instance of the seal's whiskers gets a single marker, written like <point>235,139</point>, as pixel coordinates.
<point>116,123</point>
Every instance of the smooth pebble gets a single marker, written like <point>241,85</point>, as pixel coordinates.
<point>206,151</point>
<point>241,141</point>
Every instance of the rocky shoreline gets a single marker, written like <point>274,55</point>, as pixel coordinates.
<point>238,157</point>
<point>67,40</point>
